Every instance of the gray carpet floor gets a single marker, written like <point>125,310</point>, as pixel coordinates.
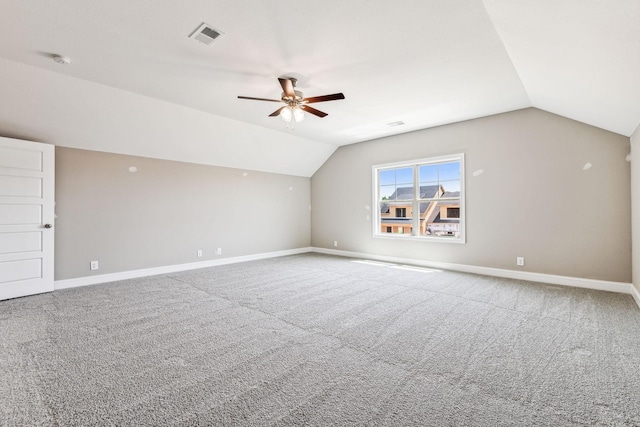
<point>320,340</point>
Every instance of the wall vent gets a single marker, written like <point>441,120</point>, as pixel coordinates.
<point>206,34</point>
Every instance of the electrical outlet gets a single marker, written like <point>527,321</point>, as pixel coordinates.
<point>199,253</point>
<point>520,261</point>
<point>94,265</point>
<point>335,243</point>
<point>219,251</point>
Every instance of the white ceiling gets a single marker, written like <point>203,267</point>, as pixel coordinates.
<point>424,62</point>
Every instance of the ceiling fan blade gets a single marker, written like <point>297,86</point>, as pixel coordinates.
<point>323,98</point>
<point>313,111</point>
<point>287,87</point>
<point>277,112</point>
<point>259,99</point>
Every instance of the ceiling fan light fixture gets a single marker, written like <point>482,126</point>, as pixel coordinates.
<point>286,114</point>
<point>298,115</point>
<point>292,113</point>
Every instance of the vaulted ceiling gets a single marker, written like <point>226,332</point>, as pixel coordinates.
<point>422,62</point>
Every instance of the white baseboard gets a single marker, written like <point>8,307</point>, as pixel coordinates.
<point>602,285</point>
<point>636,294</point>
<point>133,274</point>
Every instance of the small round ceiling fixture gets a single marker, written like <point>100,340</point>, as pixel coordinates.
<point>61,59</point>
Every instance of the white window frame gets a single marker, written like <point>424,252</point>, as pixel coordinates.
<point>377,223</point>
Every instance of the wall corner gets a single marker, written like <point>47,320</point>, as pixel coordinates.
<point>634,143</point>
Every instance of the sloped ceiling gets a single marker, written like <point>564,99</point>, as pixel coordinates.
<point>578,59</point>
<point>150,90</point>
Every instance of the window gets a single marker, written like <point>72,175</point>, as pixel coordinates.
<point>420,199</point>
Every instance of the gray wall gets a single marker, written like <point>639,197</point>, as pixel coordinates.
<point>635,207</point>
<point>534,199</point>
<point>163,213</point>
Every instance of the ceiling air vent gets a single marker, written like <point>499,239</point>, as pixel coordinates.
<point>206,34</point>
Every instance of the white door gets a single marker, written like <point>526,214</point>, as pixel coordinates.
<point>26,217</point>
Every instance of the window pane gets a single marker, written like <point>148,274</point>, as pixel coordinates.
<point>404,176</point>
<point>426,215</point>
<point>428,173</point>
<point>395,218</point>
<point>440,218</point>
<point>451,188</point>
<point>387,192</point>
<point>440,172</point>
<point>387,177</point>
<point>430,190</point>
<point>396,184</point>
<point>449,171</point>
<point>384,208</point>
<point>435,178</point>
<point>404,192</point>
<point>443,219</point>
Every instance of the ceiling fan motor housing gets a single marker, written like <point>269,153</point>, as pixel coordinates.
<point>299,96</point>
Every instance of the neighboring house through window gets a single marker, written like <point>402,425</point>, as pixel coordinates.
<point>420,198</point>
<point>453,212</point>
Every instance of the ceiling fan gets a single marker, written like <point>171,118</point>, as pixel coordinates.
<point>295,101</point>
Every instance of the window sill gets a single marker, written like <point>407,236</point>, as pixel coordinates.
<point>457,240</point>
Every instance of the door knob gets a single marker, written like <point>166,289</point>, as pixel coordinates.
<point>48,226</point>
